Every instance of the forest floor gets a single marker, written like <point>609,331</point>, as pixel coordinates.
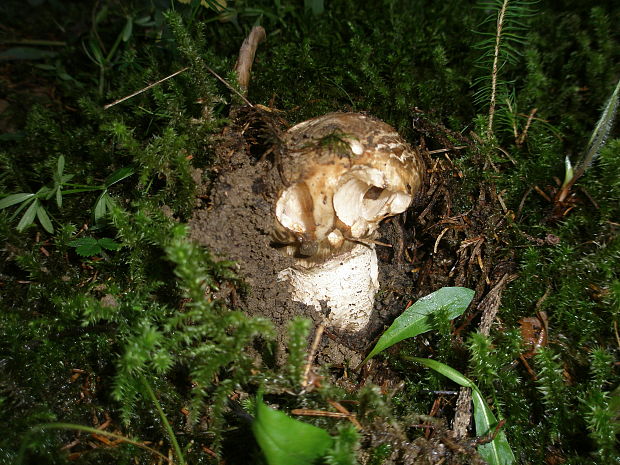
<point>141,315</point>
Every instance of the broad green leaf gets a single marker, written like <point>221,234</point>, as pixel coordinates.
<point>417,318</point>
<point>13,199</point>
<point>59,197</point>
<point>86,246</point>
<point>498,451</point>
<point>28,217</point>
<point>44,219</point>
<point>286,441</point>
<point>118,176</point>
<point>108,243</point>
<point>445,370</point>
<point>100,206</point>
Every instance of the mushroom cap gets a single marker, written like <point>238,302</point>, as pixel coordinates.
<point>345,172</point>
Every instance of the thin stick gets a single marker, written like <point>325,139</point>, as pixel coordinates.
<point>313,347</point>
<point>150,86</point>
<point>432,152</point>
<point>344,411</point>
<point>230,87</point>
<point>319,413</point>
<point>48,43</point>
<point>523,135</point>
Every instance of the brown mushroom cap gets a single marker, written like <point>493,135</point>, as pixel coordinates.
<point>345,172</point>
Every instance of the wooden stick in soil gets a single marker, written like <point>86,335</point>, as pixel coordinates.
<point>313,348</point>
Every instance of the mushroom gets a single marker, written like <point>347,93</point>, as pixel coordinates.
<point>344,173</point>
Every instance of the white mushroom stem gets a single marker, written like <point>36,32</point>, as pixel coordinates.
<point>344,285</point>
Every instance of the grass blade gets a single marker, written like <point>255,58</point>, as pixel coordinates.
<point>603,127</point>
<point>118,176</point>
<point>166,423</point>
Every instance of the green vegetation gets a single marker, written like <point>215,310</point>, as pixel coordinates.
<point>110,317</point>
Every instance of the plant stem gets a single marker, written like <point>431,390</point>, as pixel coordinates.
<point>86,429</point>
<point>162,415</point>
<point>498,37</point>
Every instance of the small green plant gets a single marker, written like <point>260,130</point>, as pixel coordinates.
<point>597,141</point>
<point>89,246</point>
<point>95,48</point>
<point>495,452</point>
<point>417,320</point>
<point>34,202</point>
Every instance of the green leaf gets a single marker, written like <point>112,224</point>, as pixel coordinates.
<point>286,441</point>
<point>25,53</point>
<point>445,370</point>
<point>569,173</point>
<point>60,166</point>
<point>108,243</point>
<point>110,203</point>
<point>100,206</point>
<point>28,217</point>
<point>44,219</point>
<point>13,199</point>
<point>96,51</point>
<point>118,176</point>
<point>59,197</point>
<point>86,246</point>
<point>127,29</point>
<point>417,318</point>
<point>496,452</point>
